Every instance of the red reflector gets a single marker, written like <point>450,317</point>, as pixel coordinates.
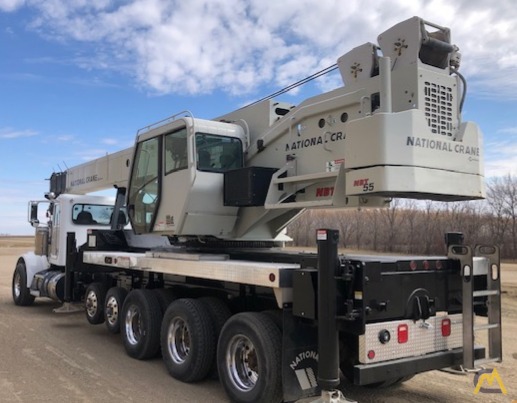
<point>412,265</point>
<point>446,327</point>
<point>439,265</point>
<point>402,334</point>
<point>426,265</point>
<point>371,355</point>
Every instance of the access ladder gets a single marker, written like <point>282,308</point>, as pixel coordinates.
<point>483,265</point>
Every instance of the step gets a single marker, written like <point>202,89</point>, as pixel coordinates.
<point>485,327</point>
<point>484,361</point>
<point>485,293</point>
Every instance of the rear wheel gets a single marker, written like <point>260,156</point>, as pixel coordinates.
<point>94,302</point>
<point>249,358</point>
<point>113,308</point>
<point>140,327</point>
<point>187,340</point>
<point>21,293</point>
<point>220,313</point>
<point>165,297</point>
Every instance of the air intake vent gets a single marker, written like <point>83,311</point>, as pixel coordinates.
<point>438,108</point>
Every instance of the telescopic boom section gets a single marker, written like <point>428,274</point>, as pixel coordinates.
<point>111,170</point>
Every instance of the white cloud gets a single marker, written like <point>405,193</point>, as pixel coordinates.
<point>65,138</point>
<point>198,46</point>
<point>502,158</point>
<point>110,141</point>
<point>11,5</point>
<point>508,130</point>
<point>8,133</point>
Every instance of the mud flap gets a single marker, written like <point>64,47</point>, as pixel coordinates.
<point>299,358</point>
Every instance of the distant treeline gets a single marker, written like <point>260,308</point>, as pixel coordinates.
<point>418,227</point>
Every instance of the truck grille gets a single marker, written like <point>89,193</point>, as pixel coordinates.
<point>438,108</point>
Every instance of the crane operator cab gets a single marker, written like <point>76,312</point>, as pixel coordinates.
<point>176,183</point>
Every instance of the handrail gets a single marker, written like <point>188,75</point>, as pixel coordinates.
<point>165,121</point>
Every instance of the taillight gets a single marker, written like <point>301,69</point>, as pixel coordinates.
<point>402,334</point>
<point>446,327</point>
<point>371,355</point>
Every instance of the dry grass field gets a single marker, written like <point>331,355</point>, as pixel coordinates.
<point>61,358</point>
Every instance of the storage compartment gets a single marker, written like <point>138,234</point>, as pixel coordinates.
<point>247,187</point>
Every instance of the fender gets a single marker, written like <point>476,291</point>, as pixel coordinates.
<point>34,264</point>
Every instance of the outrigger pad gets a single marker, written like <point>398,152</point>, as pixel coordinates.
<point>69,307</point>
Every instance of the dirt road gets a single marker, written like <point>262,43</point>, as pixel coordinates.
<point>61,358</point>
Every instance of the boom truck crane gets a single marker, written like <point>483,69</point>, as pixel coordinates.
<point>199,274</point>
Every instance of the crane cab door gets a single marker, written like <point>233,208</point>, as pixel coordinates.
<point>160,179</point>
<point>143,196</point>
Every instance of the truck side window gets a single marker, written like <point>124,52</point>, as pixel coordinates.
<point>91,214</point>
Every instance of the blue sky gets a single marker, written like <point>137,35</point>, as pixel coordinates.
<point>78,78</point>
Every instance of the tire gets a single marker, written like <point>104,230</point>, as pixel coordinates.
<point>187,340</point>
<point>276,316</point>
<point>140,327</point>
<point>220,313</point>
<point>165,297</point>
<point>113,308</point>
<point>249,358</point>
<point>94,299</point>
<point>20,291</point>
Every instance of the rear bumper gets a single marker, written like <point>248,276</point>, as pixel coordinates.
<point>365,374</point>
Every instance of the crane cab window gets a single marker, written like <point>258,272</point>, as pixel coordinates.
<point>176,151</point>
<point>218,153</point>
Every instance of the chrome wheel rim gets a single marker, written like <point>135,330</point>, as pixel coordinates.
<point>17,285</point>
<point>112,310</point>
<point>178,340</point>
<point>133,325</point>
<point>91,303</point>
<point>242,363</point>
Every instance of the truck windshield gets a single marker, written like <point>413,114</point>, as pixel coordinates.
<point>92,214</point>
<point>218,153</point>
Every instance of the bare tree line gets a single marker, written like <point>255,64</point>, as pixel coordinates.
<point>409,226</point>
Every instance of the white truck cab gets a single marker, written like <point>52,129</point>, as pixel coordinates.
<point>65,213</point>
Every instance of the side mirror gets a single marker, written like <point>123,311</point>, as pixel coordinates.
<point>34,214</point>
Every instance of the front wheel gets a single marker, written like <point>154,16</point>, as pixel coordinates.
<point>249,358</point>
<point>21,293</point>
